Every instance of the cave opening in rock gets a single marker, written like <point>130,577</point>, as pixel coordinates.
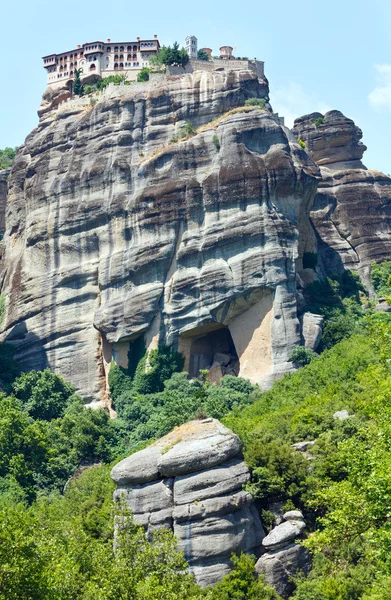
<point>214,351</point>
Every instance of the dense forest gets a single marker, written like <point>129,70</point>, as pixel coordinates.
<point>57,514</point>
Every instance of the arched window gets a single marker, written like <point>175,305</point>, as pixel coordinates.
<point>129,57</point>
<point>108,49</point>
<point>121,56</point>
<point>116,57</point>
<point>115,66</point>
<point>121,49</point>
<point>134,48</point>
<point>71,73</point>
<point>115,48</point>
<point>129,48</point>
<point>134,56</point>
<point>121,65</point>
<point>92,67</point>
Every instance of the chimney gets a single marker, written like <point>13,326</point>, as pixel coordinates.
<point>138,39</point>
<point>108,40</point>
<point>78,45</point>
<point>155,36</point>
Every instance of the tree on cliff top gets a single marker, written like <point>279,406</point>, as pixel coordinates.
<point>77,85</point>
<point>7,157</point>
<point>168,55</point>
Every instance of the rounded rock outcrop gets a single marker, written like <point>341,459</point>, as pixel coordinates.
<point>191,482</point>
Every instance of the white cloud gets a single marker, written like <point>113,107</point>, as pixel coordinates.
<point>380,97</point>
<point>292,101</point>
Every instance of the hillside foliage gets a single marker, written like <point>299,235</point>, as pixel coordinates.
<point>7,157</point>
<point>56,506</point>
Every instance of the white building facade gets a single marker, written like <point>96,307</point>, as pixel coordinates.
<point>100,59</point>
<point>191,46</point>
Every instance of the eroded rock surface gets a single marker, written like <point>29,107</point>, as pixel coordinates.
<point>4,175</point>
<point>113,232</point>
<point>284,557</point>
<point>201,499</point>
<point>352,209</point>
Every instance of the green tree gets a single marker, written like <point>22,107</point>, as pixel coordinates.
<point>168,55</point>
<point>202,55</point>
<point>144,74</point>
<point>44,394</point>
<point>7,157</point>
<point>77,85</point>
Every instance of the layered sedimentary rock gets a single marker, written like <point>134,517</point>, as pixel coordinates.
<point>113,232</point>
<point>4,175</point>
<point>352,209</point>
<point>191,482</point>
<point>284,557</point>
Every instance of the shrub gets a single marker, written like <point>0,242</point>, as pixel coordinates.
<point>7,157</point>
<point>168,55</point>
<point>381,277</point>
<point>43,394</point>
<point>260,102</point>
<point>319,121</point>
<point>187,130</point>
<point>202,55</point>
<point>143,75</point>
<point>301,143</point>
<point>78,89</point>
<point>216,142</point>
<point>301,356</point>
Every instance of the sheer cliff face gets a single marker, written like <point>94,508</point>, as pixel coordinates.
<point>113,232</point>
<point>352,209</point>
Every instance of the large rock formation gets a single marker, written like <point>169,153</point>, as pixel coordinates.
<point>113,232</point>
<point>284,557</point>
<point>191,481</point>
<point>352,209</point>
<point>4,175</point>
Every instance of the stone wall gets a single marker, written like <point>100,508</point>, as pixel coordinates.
<point>217,65</point>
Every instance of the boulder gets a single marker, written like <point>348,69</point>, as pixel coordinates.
<point>341,415</point>
<point>311,329</point>
<point>283,534</point>
<point>202,500</point>
<point>293,515</point>
<point>278,567</point>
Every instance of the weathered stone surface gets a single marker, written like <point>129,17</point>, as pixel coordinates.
<point>303,446</point>
<point>352,209</point>
<point>293,515</point>
<point>207,509</point>
<point>216,481</point>
<point>4,175</point>
<point>278,567</point>
<point>150,497</point>
<point>196,446</point>
<point>136,469</point>
<point>311,329</point>
<point>97,191</point>
<point>283,534</point>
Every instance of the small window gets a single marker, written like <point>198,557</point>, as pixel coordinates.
<point>108,49</point>
<point>121,49</point>
<point>92,67</point>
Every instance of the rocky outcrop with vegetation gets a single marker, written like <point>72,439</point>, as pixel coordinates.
<point>164,214</point>
<point>352,209</point>
<point>191,481</point>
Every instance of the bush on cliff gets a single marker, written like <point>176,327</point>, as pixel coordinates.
<point>168,55</point>
<point>7,157</point>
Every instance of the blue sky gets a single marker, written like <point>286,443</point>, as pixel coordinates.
<point>318,56</point>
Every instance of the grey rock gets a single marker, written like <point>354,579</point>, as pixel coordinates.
<point>137,468</point>
<point>4,175</point>
<point>278,567</point>
<point>303,446</point>
<point>352,208</point>
<point>95,192</point>
<point>293,515</point>
<point>283,534</point>
<point>212,507</point>
<point>217,481</point>
<point>149,497</point>
<point>196,447</point>
<point>341,415</point>
<point>221,358</point>
<point>382,305</point>
<point>311,329</point>
<point>207,510</point>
